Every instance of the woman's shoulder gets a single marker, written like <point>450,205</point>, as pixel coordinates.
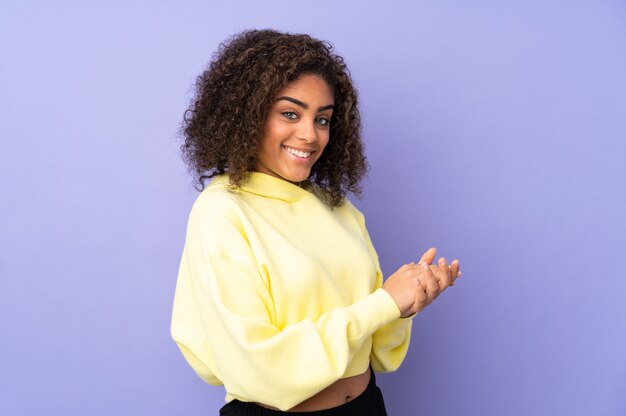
<point>216,202</point>
<point>217,223</point>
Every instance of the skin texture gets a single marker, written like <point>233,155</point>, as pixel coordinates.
<point>415,286</point>
<point>296,125</point>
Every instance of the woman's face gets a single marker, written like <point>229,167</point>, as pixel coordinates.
<point>297,129</point>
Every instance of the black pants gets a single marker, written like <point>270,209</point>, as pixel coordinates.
<point>368,403</point>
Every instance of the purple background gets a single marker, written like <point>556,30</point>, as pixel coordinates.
<point>495,131</point>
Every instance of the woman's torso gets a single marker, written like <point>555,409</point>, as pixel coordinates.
<point>316,273</point>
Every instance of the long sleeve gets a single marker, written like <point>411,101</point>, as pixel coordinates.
<point>390,342</point>
<point>223,322</point>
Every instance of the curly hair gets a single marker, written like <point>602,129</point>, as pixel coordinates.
<point>225,121</point>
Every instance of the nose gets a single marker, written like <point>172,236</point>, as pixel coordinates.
<point>307,132</point>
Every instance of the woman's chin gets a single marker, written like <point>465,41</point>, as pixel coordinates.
<point>296,177</point>
<point>290,175</point>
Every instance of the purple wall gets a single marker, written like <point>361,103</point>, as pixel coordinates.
<point>495,131</point>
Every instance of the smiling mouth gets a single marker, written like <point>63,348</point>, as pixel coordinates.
<point>298,153</point>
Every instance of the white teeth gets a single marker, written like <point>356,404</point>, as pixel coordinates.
<point>298,152</point>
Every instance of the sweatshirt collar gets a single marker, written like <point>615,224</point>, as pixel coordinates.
<point>269,186</point>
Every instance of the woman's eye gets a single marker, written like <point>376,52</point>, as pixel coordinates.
<point>290,115</point>
<point>323,121</point>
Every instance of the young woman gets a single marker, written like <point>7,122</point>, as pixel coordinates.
<point>280,297</point>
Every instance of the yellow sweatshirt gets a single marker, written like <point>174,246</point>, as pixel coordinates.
<point>278,296</point>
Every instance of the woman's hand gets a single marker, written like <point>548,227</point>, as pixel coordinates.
<point>414,286</point>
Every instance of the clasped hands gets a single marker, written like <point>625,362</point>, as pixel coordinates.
<point>415,285</point>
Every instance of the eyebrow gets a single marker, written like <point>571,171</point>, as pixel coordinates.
<point>304,105</point>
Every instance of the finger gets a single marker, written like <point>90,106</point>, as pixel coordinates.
<point>439,274</point>
<point>420,298</point>
<point>454,270</point>
<point>428,256</point>
<point>420,294</point>
<point>435,269</point>
<point>429,282</point>
<point>445,278</point>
